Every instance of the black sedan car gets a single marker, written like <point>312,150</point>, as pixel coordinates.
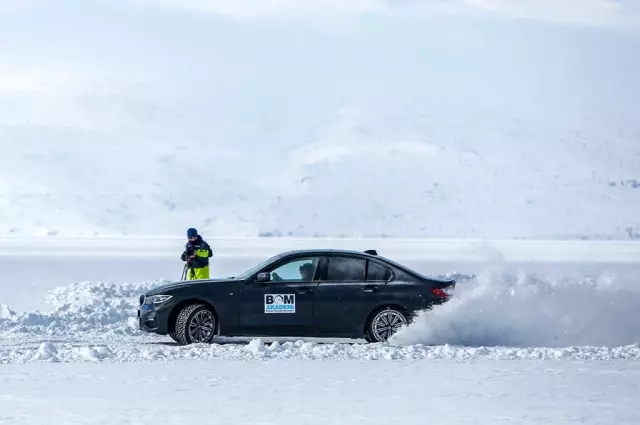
<point>305,293</point>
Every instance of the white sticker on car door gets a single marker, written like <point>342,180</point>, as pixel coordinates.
<point>279,303</point>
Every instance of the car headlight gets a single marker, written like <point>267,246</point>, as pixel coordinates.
<point>157,299</point>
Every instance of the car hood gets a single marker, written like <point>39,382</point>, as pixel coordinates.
<point>171,286</point>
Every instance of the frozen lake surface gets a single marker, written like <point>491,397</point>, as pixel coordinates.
<point>524,341</point>
<point>323,392</point>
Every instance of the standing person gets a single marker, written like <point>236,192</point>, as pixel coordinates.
<point>197,253</point>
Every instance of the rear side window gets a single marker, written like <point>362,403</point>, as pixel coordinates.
<point>345,269</point>
<point>377,272</point>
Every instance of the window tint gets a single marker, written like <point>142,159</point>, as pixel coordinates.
<point>344,268</point>
<point>298,270</point>
<point>377,272</point>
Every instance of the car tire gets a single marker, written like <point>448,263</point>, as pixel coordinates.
<point>173,336</point>
<point>196,323</point>
<point>383,323</point>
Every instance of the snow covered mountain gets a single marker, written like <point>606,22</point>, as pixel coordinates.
<point>381,120</point>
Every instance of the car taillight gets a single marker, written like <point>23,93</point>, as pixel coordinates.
<point>439,293</point>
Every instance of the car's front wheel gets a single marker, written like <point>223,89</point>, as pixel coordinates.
<point>196,323</point>
<point>384,323</point>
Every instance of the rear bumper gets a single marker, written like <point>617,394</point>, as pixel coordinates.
<point>153,320</point>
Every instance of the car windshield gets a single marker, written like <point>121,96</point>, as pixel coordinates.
<point>257,267</point>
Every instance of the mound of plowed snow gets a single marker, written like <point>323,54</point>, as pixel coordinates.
<point>98,309</point>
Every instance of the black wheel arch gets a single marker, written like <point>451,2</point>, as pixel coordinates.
<point>175,311</point>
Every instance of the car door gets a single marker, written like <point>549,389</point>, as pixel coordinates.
<point>350,288</point>
<point>284,305</point>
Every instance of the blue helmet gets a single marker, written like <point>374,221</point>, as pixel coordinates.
<point>192,233</point>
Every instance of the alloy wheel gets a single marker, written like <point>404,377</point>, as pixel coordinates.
<point>201,326</point>
<point>386,323</point>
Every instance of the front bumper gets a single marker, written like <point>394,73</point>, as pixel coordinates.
<point>154,319</point>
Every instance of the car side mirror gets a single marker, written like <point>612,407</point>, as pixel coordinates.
<point>263,277</point>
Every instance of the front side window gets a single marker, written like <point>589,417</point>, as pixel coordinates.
<point>298,270</point>
<point>258,267</point>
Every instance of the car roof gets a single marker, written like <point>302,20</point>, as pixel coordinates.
<point>328,250</point>
<point>366,254</point>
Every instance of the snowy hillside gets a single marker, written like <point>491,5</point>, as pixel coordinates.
<point>129,118</point>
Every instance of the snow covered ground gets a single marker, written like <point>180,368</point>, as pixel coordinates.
<point>322,392</point>
<point>524,341</point>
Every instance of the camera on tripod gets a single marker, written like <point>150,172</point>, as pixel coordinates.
<point>188,253</point>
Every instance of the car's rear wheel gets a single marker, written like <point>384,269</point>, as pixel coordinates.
<point>196,323</point>
<point>384,323</point>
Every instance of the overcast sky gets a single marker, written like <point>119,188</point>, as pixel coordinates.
<point>287,60</point>
<point>67,41</point>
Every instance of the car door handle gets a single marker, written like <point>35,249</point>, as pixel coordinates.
<point>303,291</point>
<point>369,288</point>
